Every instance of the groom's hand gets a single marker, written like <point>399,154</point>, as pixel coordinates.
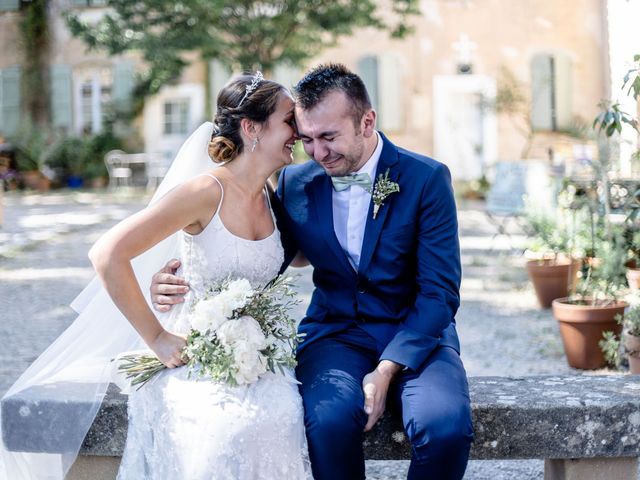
<point>166,288</point>
<point>375,386</point>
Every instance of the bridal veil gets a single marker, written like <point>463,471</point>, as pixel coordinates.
<point>83,352</point>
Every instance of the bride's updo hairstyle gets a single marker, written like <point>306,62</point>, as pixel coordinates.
<point>245,96</point>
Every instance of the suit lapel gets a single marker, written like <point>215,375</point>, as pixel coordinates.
<point>324,209</point>
<point>373,227</point>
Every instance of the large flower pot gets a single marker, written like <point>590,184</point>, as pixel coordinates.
<point>632,346</point>
<point>581,328</point>
<point>553,278</point>
<point>633,279</point>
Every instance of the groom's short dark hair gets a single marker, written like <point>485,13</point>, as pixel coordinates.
<point>332,77</point>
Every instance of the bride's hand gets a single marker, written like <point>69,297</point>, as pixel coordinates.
<point>168,348</point>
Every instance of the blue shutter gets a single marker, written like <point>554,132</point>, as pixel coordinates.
<point>6,5</point>
<point>61,95</point>
<point>123,84</point>
<point>368,71</point>
<point>9,100</point>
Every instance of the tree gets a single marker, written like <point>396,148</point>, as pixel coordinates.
<point>242,34</point>
<point>34,33</point>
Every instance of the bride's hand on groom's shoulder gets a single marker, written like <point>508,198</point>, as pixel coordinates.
<point>168,348</point>
<point>167,288</point>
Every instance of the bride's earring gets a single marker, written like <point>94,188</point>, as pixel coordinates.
<point>254,144</point>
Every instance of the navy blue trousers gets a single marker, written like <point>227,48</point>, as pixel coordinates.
<point>434,404</point>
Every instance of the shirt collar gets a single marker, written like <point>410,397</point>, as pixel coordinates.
<point>372,163</point>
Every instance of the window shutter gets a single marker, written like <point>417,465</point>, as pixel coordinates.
<point>541,92</point>
<point>61,105</point>
<point>218,76</point>
<point>368,71</point>
<point>9,100</point>
<point>7,5</point>
<point>562,96</point>
<point>123,84</point>
<point>390,93</point>
<point>80,3</point>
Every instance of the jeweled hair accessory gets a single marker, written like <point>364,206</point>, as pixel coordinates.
<point>257,78</point>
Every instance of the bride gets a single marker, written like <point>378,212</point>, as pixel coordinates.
<point>222,226</point>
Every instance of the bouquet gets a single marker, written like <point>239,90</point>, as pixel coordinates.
<point>236,335</point>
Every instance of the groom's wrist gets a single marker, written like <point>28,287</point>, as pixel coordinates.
<point>388,369</point>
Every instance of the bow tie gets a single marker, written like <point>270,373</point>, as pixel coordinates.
<point>361,179</point>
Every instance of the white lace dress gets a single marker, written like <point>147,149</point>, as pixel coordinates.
<point>181,428</point>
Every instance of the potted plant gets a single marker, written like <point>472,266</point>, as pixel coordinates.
<point>554,268</point>
<point>585,316</point>
<point>629,341</point>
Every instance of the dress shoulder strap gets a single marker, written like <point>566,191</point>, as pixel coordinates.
<point>221,190</point>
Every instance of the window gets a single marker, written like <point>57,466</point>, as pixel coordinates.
<point>93,94</point>
<point>176,116</point>
<point>551,92</point>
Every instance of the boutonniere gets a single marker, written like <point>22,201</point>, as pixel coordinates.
<point>381,190</point>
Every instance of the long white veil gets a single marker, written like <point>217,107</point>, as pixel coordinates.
<point>83,352</point>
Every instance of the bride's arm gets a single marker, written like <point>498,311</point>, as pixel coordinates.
<point>189,207</point>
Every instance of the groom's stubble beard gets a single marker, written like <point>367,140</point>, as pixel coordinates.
<point>353,157</point>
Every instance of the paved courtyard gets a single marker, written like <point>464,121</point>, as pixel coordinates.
<point>43,264</point>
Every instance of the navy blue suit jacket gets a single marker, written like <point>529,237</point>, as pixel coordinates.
<point>406,291</point>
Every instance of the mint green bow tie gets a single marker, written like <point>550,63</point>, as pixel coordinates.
<point>361,179</point>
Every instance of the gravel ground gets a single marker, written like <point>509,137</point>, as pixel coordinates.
<point>43,266</point>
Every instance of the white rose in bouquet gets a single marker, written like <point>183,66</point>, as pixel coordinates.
<point>208,315</point>
<point>244,338</point>
<point>234,296</point>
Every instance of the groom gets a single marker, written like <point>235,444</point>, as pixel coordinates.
<point>378,224</point>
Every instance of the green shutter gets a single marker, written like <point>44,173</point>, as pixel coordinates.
<point>6,5</point>
<point>61,97</point>
<point>80,3</point>
<point>9,100</point>
<point>368,71</point>
<point>541,93</point>
<point>563,91</point>
<point>123,84</point>
<point>390,94</point>
<point>219,75</point>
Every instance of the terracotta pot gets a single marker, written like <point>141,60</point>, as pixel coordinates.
<point>633,279</point>
<point>31,179</point>
<point>553,278</point>
<point>632,346</point>
<point>581,328</point>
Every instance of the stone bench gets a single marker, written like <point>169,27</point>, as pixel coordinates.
<point>583,426</point>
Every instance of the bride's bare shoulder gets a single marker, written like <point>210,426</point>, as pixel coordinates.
<point>207,186</point>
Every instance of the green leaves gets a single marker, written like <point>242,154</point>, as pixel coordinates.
<point>243,35</point>
<point>632,78</point>
<point>611,118</point>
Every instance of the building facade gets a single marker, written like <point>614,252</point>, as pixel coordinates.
<point>446,90</point>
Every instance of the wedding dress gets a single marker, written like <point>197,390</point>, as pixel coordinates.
<point>193,428</point>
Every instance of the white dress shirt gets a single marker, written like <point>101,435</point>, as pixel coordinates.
<point>350,209</point>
